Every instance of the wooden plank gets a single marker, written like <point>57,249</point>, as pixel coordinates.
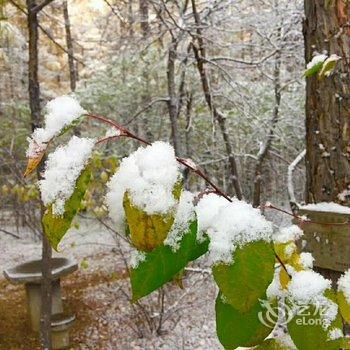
<point>329,244</point>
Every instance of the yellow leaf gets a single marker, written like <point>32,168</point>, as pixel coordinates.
<point>149,231</point>
<point>344,306</point>
<point>284,279</point>
<point>33,163</point>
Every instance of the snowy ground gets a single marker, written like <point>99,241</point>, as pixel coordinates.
<point>188,320</point>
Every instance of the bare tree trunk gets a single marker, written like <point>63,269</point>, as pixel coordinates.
<point>328,104</point>
<point>34,101</point>
<point>143,7</point>
<point>70,49</point>
<point>200,56</point>
<point>144,17</point>
<point>130,19</point>
<point>189,102</point>
<point>267,144</point>
<point>172,103</point>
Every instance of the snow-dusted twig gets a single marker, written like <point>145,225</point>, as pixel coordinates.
<point>291,168</point>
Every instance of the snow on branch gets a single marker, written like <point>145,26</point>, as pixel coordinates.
<point>291,168</point>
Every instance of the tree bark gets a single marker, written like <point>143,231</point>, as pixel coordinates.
<point>172,103</point>
<point>70,49</point>
<point>34,102</point>
<point>326,28</point>
<point>327,107</point>
<point>145,29</point>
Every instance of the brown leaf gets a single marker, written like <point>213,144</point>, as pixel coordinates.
<point>33,163</point>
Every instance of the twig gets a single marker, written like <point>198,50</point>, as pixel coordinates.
<point>10,233</point>
<point>291,168</point>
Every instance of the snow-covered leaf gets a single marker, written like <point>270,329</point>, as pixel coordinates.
<point>316,325</point>
<point>63,113</point>
<point>245,280</point>
<point>55,227</point>
<point>163,263</point>
<point>315,65</point>
<point>148,230</point>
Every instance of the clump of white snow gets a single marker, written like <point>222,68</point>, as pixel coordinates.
<point>288,234</point>
<point>62,170</point>
<point>184,216</point>
<point>344,285</point>
<point>149,176</point>
<point>327,207</point>
<point>306,286</point>
<point>307,260</point>
<point>136,257</point>
<point>316,60</point>
<point>275,289</point>
<point>335,333</point>
<point>61,111</point>
<point>230,224</point>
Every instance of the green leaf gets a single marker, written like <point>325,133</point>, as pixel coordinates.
<point>308,321</point>
<point>55,227</point>
<point>313,70</point>
<point>162,264</point>
<point>272,344</point>
<point>246,279</point>
<point>72,125</point>
<point>236,329</point>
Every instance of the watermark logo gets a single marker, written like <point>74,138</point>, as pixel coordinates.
<point>305,314</point>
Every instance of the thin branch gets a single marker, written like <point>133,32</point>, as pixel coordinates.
<point>250,63</point>
<point>161,99</point>
<point>10,233</point>
<point>47,33</point>
<point>291,167</point>
<point>39,7</point>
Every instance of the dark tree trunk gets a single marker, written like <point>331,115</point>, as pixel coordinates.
<point>144,17</point>
<point>172,103</point>
<point>326,28</point>
<point>34,102</point>
<point>145,28</point>
<point>70,49</point>
<point>33,63</point>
